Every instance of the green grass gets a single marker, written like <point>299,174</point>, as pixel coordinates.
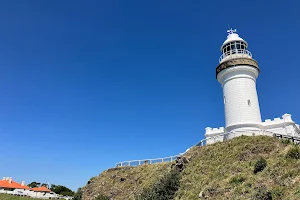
<point>10,197</point>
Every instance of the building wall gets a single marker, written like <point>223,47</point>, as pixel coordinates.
<point>240,96</point>
<point>282,126</point>
<point>32,194</point>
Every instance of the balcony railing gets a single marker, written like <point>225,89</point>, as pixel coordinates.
<point>235,53</point>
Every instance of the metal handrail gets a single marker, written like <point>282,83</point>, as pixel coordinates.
<point>147,161</point>
<point>237,52</point>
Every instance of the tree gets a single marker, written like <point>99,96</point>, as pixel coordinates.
<point>78,195</point>
<point>34,184</point>
<point>62,190</point>
<point>45,185</point>
<point>52,187</point>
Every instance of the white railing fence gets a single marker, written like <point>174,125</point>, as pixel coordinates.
<point>223,137</point>
<point>147,161</point>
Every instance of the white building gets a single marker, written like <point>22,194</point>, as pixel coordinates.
<point>237,74</point>
<point>8,186</point>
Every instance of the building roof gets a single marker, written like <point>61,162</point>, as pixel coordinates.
<point>12,184</point>
<point>40,189</point>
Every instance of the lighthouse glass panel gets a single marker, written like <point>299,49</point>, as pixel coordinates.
<point>238,45</point>
<point>227,48</point>
<point>234,47</point>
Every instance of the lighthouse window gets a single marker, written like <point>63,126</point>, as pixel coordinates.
<point>231,48</point>
<point>249,102</point>
<point>228,48</point>
<point>243,45</point>
<point>224,100</point>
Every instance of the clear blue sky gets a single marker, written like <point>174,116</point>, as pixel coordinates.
<point>86,84</point>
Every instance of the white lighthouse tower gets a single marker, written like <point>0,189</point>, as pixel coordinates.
<point>237,73</point>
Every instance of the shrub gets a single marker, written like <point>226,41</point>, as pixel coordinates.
<point>262,194</point>
<point>164,189</point>
<point>62,190</point>
<point>91,180</point>
<point>293,153</point>
<point>297,192</point>
<point>101,197</point>
<point>237,179</point>
<point>277,192</point>
<point>260,165</point>
<point>286,141</point>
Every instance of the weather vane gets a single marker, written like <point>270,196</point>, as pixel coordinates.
<point>231,31</point>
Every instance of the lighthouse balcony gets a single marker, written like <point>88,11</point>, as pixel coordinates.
<point>235,53</point>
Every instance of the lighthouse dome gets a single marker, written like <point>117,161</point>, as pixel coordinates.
<point>233,37</point>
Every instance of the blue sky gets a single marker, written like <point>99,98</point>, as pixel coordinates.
<point>86,84</point>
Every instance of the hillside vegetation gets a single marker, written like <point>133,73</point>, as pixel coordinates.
<point>124,182</point>
<point>256,168</point>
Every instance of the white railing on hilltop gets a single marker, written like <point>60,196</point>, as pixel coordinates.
<point>236,133</point>
<point>236,53</point>
<point>146,161</point>
<point>202,142</point>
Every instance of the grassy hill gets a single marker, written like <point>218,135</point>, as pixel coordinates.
<point>219,171</point>
<point>124,182</point>
<point>10,197</point>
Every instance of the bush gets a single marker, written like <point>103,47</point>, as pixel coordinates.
<point>237,179</point>
<point>293,153</point>
<point>101,197</point>
<point>277,192</point>
<point>262,194</point>
<point>286,141</point>
<point>164,189</point>
<point>62,190</point>
<point>260,165</point>
<point>91,180</point>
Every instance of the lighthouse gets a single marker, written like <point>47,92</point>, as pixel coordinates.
<point>237,73</point>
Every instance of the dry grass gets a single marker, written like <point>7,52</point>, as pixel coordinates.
<point>135,179</point>
<point>219,171</point>
<point>225,171</point>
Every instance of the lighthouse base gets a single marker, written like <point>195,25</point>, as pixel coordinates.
<point>281,126</point>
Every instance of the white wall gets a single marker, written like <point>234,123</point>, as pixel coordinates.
<point>282,126</point>
<point>239,86</point>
